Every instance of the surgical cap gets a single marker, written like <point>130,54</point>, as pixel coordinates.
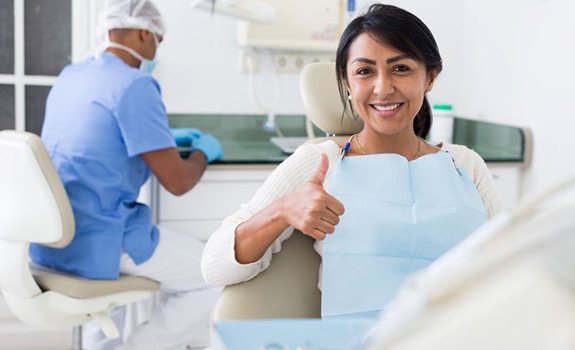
<point>133,14</point>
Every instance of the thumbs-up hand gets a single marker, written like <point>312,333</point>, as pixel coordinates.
<point>311,209</point>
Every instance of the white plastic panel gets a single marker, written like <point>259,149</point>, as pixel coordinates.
<point>298,25</point>
<point>28,210</point>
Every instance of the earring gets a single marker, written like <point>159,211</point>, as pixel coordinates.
<point>349,96</point>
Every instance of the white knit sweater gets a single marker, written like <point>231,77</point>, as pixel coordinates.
<point>219,265</point>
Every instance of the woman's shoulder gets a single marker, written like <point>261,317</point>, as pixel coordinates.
<point>461,153</point>
<point>465,158</point>
<point>329,147</point>
<point>306,158</point>
<point>312,150</point>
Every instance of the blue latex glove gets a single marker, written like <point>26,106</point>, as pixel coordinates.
<point>209,145</point>
<point>185,136</point>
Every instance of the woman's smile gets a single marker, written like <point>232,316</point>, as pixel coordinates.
<point>386,109</point>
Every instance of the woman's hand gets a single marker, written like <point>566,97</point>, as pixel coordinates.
<point>311,209</point>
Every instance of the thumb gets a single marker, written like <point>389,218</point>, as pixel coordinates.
<point>321,171</point>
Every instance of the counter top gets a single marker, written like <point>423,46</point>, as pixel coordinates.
<point>245,141</point>
<point>242,137</point>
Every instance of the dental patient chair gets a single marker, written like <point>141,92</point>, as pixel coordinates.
<point>34,208</point>
<point>289,287</point>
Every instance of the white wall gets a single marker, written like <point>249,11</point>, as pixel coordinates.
<point>198,66</point>
<point>504,61</point>
<point>199,71</point>
<point>518,68</point>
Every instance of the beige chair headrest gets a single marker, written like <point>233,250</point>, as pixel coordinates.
<point>318,85</point>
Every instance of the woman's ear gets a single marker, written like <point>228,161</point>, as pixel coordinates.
<point>347,86</point>
<point>431,82</point>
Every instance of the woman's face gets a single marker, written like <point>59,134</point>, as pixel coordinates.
<point>386,86</point>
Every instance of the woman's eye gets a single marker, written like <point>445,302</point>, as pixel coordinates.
<point>362,71</point>
<point>401,68</point>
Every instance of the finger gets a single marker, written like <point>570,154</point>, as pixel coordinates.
<point>321,171</point>
<point>317,234</point>
<point>325,227</point>
<point>329,217</point>
<point>335,206</point>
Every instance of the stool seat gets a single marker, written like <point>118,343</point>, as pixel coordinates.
<point>82,288</point>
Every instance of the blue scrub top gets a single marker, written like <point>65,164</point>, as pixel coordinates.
<point>100,116</point>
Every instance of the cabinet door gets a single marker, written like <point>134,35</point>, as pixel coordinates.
<point>220,193</point>
<point>508,180</point>
<point>201,229</point>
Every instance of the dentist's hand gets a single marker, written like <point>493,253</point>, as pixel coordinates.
<point>185,136</point>
<point>311,209</point>
<point>209,146</point>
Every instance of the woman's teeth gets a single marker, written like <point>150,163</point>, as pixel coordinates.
<point>386,108</point>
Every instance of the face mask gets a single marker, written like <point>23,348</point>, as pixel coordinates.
<point>146,65</point>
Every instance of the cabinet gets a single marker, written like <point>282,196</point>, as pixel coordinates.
<point>221,191</point>
<point>508,179</point>
<point>224,188</point>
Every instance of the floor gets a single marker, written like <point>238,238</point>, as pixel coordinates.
<point>17,336</point>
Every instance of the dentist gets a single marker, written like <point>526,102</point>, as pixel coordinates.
<point>106,130</point>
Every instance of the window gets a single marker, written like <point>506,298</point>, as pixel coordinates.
<point>36,38</point>
<point>7,107</point>
<point>6,37</point>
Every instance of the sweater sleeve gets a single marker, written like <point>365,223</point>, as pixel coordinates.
<point>476,168</point>
<point>219,264</point>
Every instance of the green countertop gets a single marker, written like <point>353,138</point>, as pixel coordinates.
<point>245,142</point>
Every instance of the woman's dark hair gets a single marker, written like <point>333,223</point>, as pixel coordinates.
<point>404,32</point>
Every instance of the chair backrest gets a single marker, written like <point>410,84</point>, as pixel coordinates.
<point>34,206</point>
<point>320,95</point>
<point>289,287</point>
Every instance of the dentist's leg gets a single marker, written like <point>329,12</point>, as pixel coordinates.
<point>182,315</point>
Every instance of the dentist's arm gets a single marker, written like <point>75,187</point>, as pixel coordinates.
<point>310,209</point>
<point>177,175</point>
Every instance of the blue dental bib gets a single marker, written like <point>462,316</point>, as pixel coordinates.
<point>399,217</point>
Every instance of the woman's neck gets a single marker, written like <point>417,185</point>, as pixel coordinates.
<point>368,142</point>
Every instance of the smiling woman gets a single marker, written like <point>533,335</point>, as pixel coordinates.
<point>384,204</point>
<point>387,89</point>
<point>384,73</point>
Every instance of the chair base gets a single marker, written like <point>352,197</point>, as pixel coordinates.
<point>56,311</point>
<point>77,338</point>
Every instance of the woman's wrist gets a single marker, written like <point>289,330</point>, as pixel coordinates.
<point>280,212</point>
<point>254,236</point>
